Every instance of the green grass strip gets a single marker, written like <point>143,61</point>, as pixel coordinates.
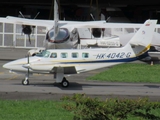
<point>33,110</point>
<point>41,110</point>
<point>130,72</point>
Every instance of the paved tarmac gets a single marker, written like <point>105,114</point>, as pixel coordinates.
<point>43,86</point>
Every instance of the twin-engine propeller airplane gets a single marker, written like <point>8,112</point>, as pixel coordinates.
<point>57,36</point>
<point>60,34</point>
<point>61,62</point>
<point>68,34</point>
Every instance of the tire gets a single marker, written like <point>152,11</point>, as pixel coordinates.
<point>25,82</point>
<point>65,83</point>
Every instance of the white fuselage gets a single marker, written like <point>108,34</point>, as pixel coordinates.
<point>81,60</point>
<point>71,61</point>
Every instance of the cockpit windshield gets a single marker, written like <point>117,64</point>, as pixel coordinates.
<point>63,35</point>
<point>44,54</point>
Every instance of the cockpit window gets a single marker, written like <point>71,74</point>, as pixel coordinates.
<point>51,34</point>
<point>53,55</point>
<point>44,54</point>
<point>63,35</point>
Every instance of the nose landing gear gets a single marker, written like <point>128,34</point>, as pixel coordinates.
<point>25,81</point>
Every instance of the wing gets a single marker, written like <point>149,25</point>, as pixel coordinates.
<point>68,24</point>
<point>99,24</point>
<point>31,22</point>
<point>67,69</point>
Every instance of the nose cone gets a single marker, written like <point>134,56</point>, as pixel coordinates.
<point>7,66</point>
<point>11,65</point>
<point>19,65</point>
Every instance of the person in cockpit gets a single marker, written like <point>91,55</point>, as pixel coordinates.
<point>53,55</point>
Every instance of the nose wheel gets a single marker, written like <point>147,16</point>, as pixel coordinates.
<point>25,81</point>
<point>64,82</point>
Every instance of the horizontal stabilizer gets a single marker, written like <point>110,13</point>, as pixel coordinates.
<point>137,43</point>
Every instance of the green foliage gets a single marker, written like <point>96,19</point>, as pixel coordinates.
<point>130,72</point>
<point>86,108</point>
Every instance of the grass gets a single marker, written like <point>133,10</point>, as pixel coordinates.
<point>33,110</point>
<point>130,72</point>
<point>40,110</point>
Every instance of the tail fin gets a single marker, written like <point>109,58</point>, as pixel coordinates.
<point>56,19</point>
<point>144,35</point>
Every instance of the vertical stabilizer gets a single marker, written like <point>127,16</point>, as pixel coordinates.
<point>56,19</point>
<point>144,35</point>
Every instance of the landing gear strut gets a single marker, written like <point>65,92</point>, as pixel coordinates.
<point>64,82</point>
<point>25,81</point>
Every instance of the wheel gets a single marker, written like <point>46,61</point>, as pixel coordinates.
<point>65,83</point>
<point>25,82</point>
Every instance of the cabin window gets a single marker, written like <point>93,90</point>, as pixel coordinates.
<point>74,55</point>
<point>53,55</point>
<point>64,55</point>
<point>85,55</point>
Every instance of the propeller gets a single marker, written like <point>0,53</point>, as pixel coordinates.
<point>28,65</point>
<point>96,32</point>
<point>26,81</point>
<point>28,29</point>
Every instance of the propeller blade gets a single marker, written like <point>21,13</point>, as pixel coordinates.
<point>28,68</point>
<point>21,14</point>
<point>36,15</point>
<point>29,38</point>
<point>28,59</point>
<point>92,17</point>
<point>108,19</point>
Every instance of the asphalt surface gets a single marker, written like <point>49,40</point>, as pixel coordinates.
<point>43,86</point>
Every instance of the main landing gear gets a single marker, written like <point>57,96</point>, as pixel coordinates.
<point>64,82</point>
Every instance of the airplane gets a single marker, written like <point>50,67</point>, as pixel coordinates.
<point>74,35</point>
<point>69,34</point>
<point>60,35</point>
<point>85,32</point>
<point>75,61</point>
<point>55,34</point>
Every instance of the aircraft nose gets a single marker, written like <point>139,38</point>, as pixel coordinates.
<point>7,66</point>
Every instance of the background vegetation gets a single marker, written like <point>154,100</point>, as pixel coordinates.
<point>86,108</point>
<point>130,72</point>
